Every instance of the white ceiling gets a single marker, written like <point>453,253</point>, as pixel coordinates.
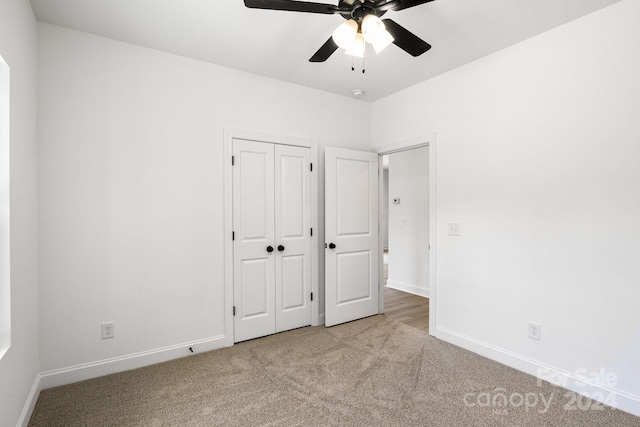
<point>279,44</point>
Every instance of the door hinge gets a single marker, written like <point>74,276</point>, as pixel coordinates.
<point>311,296</point>
<point>312,231</point>
<point>233,235</point>
<point>234,310</point>
<point>311,165</point>
<point>233,160</point>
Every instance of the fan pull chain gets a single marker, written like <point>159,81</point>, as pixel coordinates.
<point>353,68</point>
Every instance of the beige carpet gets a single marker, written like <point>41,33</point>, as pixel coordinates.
<point>372,372</point>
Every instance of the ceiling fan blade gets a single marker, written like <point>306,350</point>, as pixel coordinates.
<point>391,4</point>
<point>406,4</point>
<point>292,6</point>
<point>405,39</point>
<point>325,51</point>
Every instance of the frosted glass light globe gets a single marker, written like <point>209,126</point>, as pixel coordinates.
<point>374,32</point>
<point>345,34</point>
<point>357,47</point>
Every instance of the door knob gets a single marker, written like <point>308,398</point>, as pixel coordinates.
<point>280,248</point>
<point>269,249</point>
<point>332,246</point>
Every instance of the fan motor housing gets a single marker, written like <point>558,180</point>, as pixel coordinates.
<point>357,9</point>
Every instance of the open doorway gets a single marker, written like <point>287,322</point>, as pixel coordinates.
<point>405,236</point>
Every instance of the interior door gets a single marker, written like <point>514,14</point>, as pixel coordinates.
<point>351,235</point>
<point>254,237</point>
<point>293,237</point>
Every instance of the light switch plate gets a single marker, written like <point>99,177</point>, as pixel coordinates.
<point>453,229</point>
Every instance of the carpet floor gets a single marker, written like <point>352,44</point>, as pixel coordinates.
<point>371,372</point>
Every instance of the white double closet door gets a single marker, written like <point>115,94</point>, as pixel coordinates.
<point>272,243</point>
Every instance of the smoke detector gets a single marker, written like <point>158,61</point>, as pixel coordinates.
<point>357,93</point>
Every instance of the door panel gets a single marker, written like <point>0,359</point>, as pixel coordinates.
<point>353,277</point>
<point>254,266</point>
<point>352,197</point>
<point>292,269</point>
<point>293,228</point>
<point>293,192</point>
<point>254,288</point>
<point>351,224</point>
<point>256,192</point>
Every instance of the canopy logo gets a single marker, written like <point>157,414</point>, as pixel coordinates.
<point>500,401</point>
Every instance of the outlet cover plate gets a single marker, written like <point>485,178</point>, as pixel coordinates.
<point>534,330</point>
<point>108,330</point>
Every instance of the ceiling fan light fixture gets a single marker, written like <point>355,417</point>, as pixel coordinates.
<point>375,33</point>
<point>356,48</point>
<point>371,27</point>
<point>362,16</point>
<point>383,40</point>
<point>345,34</point>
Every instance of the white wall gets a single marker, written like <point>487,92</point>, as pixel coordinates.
<point>19,366</point>
<point>409,244</point>
<point>537,158</point>
<point>131,188</point>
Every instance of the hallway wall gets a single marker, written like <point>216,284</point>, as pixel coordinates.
<point>409,243</point>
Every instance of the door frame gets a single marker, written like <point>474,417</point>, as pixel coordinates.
<point>428,140</point>
<point>258,136</point>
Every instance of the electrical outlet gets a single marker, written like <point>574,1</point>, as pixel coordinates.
<point>534,330</point>
<point>108,330</point>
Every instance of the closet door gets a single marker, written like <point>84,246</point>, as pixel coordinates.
<point>293,237</point>
<point>254,237</point>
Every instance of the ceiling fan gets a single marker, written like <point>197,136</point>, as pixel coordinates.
<point>363,25</point>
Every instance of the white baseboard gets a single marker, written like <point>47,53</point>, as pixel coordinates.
<point>407,287</point>
<point>87,371</point>
<point>30,404</point>
<point>568,380</point>
<point>73,374</point>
